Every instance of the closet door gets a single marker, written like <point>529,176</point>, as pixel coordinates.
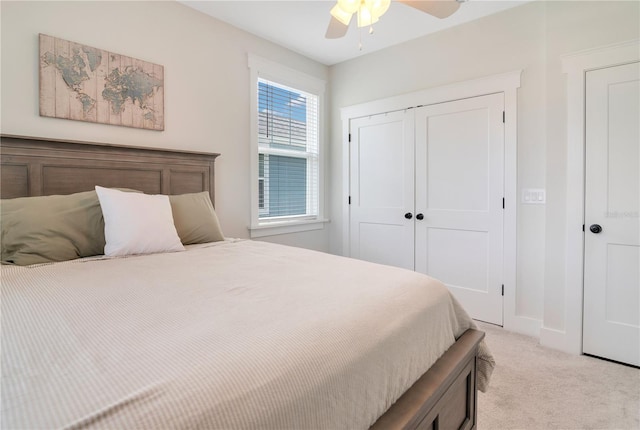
<point>382,189</point>
<point>459,192</point>
<point>612,207</point>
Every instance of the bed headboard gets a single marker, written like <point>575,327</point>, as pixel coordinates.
<point>40,167</point>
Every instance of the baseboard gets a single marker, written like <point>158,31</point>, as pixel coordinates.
<point>523,325</point>
<point>558,339</point>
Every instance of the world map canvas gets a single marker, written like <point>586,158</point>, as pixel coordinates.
<point>88,84</point>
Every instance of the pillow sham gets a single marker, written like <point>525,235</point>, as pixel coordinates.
<point>137,223</point>
<point>195,218</point>
<point>46,229</point>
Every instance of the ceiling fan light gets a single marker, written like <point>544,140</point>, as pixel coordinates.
<point>365,18</point>
<point>371,10</point>
<point>349,6</point>
<point>341,15</point>
<point>377,7</point>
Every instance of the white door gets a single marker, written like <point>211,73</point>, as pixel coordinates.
<point>612,193</point>
<point>459,196</point>
<point>382,188</point>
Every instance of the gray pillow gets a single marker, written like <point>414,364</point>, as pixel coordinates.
<point>195,219</point>
<point>51,228</point>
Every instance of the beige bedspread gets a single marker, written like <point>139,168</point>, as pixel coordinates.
<point>235,335</point>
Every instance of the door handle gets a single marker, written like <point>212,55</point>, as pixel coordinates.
<point>408,215</point>
<point>420,217</point>
<point>595,228</point>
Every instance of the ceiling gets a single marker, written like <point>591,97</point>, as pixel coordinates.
<point>300,25</point>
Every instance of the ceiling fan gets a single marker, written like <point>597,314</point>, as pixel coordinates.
<point>369,11</point>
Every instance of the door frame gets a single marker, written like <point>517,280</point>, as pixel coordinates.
<point>576,66</point>
<point>506,83</point>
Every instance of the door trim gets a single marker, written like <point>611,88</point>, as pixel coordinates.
<point>507,83</point>
<point>575,66</point>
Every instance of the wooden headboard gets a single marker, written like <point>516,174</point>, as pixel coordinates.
<point>40,167</point>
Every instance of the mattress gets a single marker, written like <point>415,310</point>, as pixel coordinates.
<point>235,334</point>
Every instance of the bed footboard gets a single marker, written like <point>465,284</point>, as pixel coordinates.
<point>445,397</point>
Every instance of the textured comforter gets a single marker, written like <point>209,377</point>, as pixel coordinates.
<point>238,334</point>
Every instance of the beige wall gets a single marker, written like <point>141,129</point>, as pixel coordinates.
<point>206,85</point>
<point>531,37</point>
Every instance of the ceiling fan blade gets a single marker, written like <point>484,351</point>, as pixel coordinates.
<point>438,8</point>
<point>336,29</point>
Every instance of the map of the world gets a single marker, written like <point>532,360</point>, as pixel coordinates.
<point>89,84</point>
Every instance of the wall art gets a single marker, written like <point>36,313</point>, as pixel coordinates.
<point>82,83</point>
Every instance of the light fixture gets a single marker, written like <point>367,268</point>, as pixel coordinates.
<point>368,11</point>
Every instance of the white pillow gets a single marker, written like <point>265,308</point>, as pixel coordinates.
<point>136,223</point>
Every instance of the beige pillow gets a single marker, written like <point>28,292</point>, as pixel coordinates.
<point>51,228</point>
<point>195,219</point>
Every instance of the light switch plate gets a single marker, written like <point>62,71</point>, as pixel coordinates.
<point>534,196</point>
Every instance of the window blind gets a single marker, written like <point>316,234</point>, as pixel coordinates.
<point>287,151</point>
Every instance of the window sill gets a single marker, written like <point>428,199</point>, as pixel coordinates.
<point>285,227</point>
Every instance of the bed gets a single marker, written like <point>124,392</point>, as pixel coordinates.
<point>226,334</point>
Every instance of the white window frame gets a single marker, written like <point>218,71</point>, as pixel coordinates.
<point>265,186</point>
<point>265,69</point>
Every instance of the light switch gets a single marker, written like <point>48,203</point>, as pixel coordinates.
<point>533,196</point>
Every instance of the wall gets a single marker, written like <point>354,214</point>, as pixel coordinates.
<point>206,85</point>
<point>531,37</point>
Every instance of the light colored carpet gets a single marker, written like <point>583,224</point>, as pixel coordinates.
<point>534,387</point>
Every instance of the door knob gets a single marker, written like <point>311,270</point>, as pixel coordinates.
<point>595,228</point>
<point>420,217</point>
<point>408,215</point>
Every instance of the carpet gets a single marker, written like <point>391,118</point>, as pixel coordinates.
<point>534,387</point>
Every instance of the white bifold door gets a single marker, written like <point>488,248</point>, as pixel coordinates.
<point>427,187</point>
<point>382,189</point>
<point>460,178</point>
<point>612,214</point>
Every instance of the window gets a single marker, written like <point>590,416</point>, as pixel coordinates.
<point>287,149</point>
